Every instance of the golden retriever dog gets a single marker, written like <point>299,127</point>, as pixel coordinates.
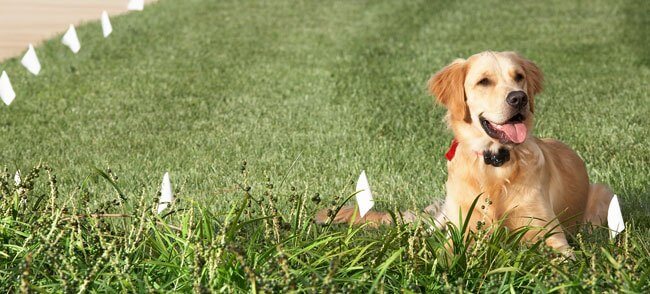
<point>522,180</point>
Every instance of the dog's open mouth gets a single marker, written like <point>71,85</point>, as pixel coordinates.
<point>511,131</point>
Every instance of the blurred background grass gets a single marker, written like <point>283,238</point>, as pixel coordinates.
<point>196,87</point>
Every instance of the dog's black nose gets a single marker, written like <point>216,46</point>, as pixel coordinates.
<point>517,99</point>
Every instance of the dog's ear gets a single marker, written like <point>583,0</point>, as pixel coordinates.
<point>448,87</point>
<point>534,77</point>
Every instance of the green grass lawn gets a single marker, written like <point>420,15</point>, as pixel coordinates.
<point>309,93</point>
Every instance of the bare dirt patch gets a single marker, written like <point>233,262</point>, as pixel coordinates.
<point>31,21</point>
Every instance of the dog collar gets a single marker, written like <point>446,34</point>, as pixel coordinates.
<point>493,159</point>
<point>452,150</point>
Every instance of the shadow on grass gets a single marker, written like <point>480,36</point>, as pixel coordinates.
<point>636,29</point>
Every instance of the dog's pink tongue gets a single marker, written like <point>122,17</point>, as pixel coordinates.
<point>516,132</point>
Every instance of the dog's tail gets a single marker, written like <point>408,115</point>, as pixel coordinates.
<point>598,204</point>
<point>350,214</point>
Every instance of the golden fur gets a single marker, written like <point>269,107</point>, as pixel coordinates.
<point>544,184</point>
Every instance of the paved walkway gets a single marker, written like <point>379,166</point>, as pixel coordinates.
<point>31,21</point>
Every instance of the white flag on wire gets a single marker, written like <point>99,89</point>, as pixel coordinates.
<point>30,61</point>
<point>6,90</point>
<point>166,196</point>
<point>136,5</point>
<point>364,195</point>
<point>107,28</point>
<point>615,218</point>
<point>71,40</point>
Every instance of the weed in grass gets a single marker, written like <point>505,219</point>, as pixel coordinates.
<point>51,244</point>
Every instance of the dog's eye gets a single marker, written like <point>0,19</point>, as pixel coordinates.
<point>484,82</point>
<point>519,77</point>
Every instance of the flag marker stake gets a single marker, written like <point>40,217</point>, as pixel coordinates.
<point>30,61</point>
<point>107,28</point>
<point>615,218</point>
<point>364,195</point>
<point>6,90</point>
<point>71,40</point>
<point>166,196</point>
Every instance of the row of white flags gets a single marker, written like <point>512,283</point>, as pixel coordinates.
<point>365,201</point>
<point>70,39</point>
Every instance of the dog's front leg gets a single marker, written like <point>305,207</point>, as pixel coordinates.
<point>542,224</point>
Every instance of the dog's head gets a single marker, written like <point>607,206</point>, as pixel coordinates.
<point>489,98</point>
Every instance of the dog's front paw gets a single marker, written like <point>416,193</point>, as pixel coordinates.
<point>435,207</point>
<point>408,217</point>
<point>567,251</point>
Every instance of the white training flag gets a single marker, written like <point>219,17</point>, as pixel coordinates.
<point>30,61</point>
<point>107,28</point>
<point>364,195</point>
<point>136,5</point>
<point>17,178</point>
<point>6,91</point>
<point>615,218</point>
<point>166,196</point>
<point>71,40</point>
